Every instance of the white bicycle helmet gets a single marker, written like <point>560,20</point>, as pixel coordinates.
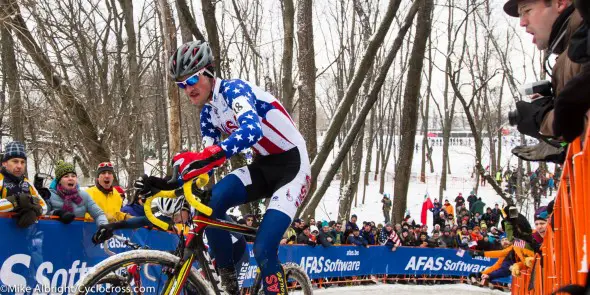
<point>168,207</point>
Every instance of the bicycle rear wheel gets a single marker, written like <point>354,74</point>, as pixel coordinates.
<point>156,267</point>
<point>298,283</point>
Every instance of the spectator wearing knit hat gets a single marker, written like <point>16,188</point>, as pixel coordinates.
<point>107,198</point>
<point>67,201</point>
<point>17,193</point>
<point>325,237</point>
<point>540,227</point>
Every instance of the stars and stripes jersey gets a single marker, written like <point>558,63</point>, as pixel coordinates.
<point>252,117</point>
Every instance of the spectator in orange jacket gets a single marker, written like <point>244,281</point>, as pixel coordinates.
<point>449,208</point>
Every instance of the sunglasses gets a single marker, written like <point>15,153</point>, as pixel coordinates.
<point>192,80</point>
<point>105,164</point>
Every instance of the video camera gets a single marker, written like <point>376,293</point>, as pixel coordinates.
<point>528,116</point>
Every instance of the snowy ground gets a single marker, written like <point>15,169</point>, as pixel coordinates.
<point>409,290</point>
<point>460,181</point>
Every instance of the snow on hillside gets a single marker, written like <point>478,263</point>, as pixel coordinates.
<point>460,181</point>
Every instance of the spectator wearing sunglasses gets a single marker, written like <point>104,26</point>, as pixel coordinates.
<point>104,194</point>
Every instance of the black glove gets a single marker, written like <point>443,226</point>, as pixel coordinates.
<point>64,216</point>
<point>147,184</point>
<point>542,152</point>
<point>531,115</point>
<point>142,185</point>
<point>103,233</point>
<point>476,253</point>
<point>44,193</point>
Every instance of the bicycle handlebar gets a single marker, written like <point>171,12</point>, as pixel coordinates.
<point>185,190</point>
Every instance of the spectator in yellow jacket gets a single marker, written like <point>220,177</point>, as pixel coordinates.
<point>103,194</point>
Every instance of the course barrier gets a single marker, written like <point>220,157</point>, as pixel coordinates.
<point>50,255</point>
<point>564,259</point>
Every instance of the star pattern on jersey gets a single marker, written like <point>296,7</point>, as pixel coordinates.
<point>246,130</point>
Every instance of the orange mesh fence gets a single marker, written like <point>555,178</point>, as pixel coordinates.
<point>564,260</point>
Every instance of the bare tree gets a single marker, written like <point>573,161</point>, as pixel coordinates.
<point>213,37</point>
<point>17,126</point>
<point>306,62</point>
<point>360,119</point>
<point>133,92</point>
<point>410,111</point>
<point>287,63</point>
<point>169,41</point>
<point>10,16</point>
<point>353,88</point>
<point>187,19</point>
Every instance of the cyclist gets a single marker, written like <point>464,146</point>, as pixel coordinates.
<point>252,118</point>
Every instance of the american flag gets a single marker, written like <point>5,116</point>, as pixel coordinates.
<point>518,243</point>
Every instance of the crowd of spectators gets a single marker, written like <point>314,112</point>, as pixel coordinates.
<point>63,199</point>
<point>468,224</point>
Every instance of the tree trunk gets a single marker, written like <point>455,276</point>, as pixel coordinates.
<point>136,148</point>
<point>425,114</point>
<point>410,111</point>
<point>185,28</point>
<point>369,153</point>
<point>287,62</point>
<point>499,123</point>
<point>11,74</point>
<point>212,36</point>
<point>306,63</point>
<point>173,102</point>
<point>187,22</point>
<point>390,143</point>
<point>352,184</point>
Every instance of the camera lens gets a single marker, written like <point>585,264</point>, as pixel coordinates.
<point>513,118</point>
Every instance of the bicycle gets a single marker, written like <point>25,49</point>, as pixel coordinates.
<point>181,277</point>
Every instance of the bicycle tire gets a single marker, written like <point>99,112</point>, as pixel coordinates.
<point>107,267</point>
<point>295,272</point>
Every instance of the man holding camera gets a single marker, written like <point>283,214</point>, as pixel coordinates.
<point>554,25</point>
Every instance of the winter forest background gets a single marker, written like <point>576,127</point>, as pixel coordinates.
<point>367,82</point>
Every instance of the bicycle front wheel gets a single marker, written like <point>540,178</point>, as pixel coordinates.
<point>297,279</point>
<point>155,267</point>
